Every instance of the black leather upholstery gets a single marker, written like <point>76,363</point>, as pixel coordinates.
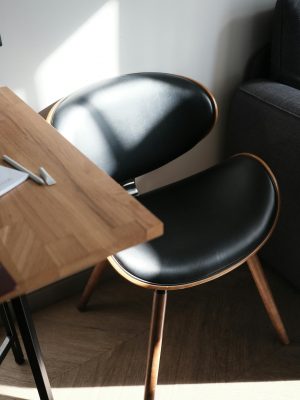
<point>135,123</point>
<point>212,221</point>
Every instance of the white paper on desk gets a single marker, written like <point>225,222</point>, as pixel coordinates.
<point>10,178</point>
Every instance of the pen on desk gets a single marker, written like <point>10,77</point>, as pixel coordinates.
<point>49,180</point>
<point>20,167</point>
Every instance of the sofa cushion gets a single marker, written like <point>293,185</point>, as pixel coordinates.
<point>285,57</point>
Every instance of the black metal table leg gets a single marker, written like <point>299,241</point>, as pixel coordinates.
<point>11,333</point>
<point>32,347</point>
<point>6,345</point>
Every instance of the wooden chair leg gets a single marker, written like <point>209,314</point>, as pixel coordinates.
<point>91,284</point>
<point>267,298</point>
<point>155,342</point>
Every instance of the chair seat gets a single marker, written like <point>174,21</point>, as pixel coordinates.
<point>213,220</point>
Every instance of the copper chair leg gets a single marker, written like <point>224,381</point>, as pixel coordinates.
<point>267,297</point>
<point>91,284</point>
<point>155,342</point>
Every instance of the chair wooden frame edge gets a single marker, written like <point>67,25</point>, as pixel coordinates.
<point>118,267</point>
<point>52,110</point>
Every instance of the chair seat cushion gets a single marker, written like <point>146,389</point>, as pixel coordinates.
<point>212,221</point>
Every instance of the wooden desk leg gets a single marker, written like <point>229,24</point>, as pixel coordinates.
<point>32,347</point>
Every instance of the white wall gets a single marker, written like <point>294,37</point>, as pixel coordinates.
<point>53,47</point>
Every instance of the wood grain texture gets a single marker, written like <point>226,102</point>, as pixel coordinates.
<point>155,342</point>
<point>91,284</point>
<point>50,232</point>
<point>267,297</point>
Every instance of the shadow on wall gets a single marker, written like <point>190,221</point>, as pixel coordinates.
<point>235,44</point>
<point>62,47</point>
<point>254,31</point>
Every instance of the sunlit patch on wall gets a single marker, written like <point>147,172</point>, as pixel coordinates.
<point>89,55</point>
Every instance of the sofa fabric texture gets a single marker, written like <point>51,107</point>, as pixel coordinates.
<point>265,120</point>
<point>285,58</point>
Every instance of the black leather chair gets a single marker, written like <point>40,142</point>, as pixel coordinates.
<point>214,221</point>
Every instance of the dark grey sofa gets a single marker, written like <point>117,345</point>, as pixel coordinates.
<point>265,119</point>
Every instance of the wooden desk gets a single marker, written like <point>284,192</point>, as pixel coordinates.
<point>50,232</point>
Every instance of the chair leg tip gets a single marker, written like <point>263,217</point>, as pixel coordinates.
<point>283,336</point>
<point>285,340</point>
<point>81,307</point>
<point>20,361</point>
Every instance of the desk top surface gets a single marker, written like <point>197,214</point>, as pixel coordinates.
<point>51,232</point>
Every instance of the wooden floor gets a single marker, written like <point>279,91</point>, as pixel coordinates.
<point>218,344</point>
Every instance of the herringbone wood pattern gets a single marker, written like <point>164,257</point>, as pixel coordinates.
<point>215,333</point>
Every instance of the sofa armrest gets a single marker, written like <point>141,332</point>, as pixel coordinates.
<point>275,95</point>
<point>265,120</point>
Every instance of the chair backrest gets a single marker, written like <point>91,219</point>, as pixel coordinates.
<point>136,123</point>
